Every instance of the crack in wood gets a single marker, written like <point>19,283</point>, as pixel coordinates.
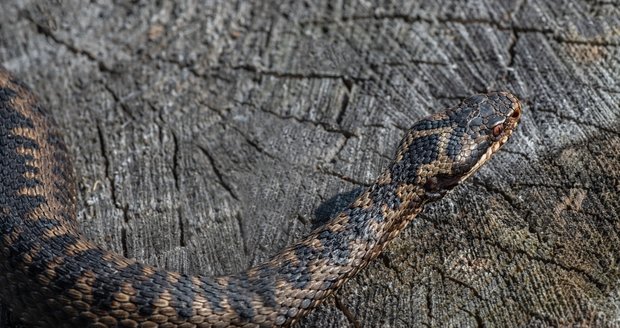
<point>347,313</point>
<point>342,177</point>
<point>175,160</point>
<point>218,173</point>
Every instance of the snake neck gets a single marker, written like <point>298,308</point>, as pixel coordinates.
<point>305,273</point>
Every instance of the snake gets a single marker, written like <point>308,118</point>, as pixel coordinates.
<point>51,275</point>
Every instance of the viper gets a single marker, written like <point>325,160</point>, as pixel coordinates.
<point>52,276</point>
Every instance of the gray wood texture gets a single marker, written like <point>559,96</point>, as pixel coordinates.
<point>209,135</point>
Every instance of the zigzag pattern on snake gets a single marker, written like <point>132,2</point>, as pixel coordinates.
<point>52,276</point>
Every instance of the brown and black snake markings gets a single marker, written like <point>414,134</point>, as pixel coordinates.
<point>52,276</point>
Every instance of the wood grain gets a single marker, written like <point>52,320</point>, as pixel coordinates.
<point>207,136</point>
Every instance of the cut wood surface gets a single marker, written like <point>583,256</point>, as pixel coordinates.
<point>209,135</point>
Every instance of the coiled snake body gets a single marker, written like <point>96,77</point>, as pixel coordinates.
<point>52,276</point>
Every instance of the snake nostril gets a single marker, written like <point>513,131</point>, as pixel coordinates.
<point>516,113</point>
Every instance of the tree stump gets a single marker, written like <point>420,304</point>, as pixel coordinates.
<point>207,137</point>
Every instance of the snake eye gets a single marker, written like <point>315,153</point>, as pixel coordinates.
<point>497,130</point>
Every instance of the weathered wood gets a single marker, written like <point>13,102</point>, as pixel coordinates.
<point>208,136</point>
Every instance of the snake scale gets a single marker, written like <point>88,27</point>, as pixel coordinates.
<point>52,276</point>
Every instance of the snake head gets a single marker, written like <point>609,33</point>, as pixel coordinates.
<point>485,124</point>
<point>444,149</point>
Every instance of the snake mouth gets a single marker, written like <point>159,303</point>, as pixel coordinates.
<point>513,120</point>
<point>515,116</point>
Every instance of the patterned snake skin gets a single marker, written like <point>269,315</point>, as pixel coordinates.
<point>52,276</point>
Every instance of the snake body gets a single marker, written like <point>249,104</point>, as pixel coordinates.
<point>52,276</point>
